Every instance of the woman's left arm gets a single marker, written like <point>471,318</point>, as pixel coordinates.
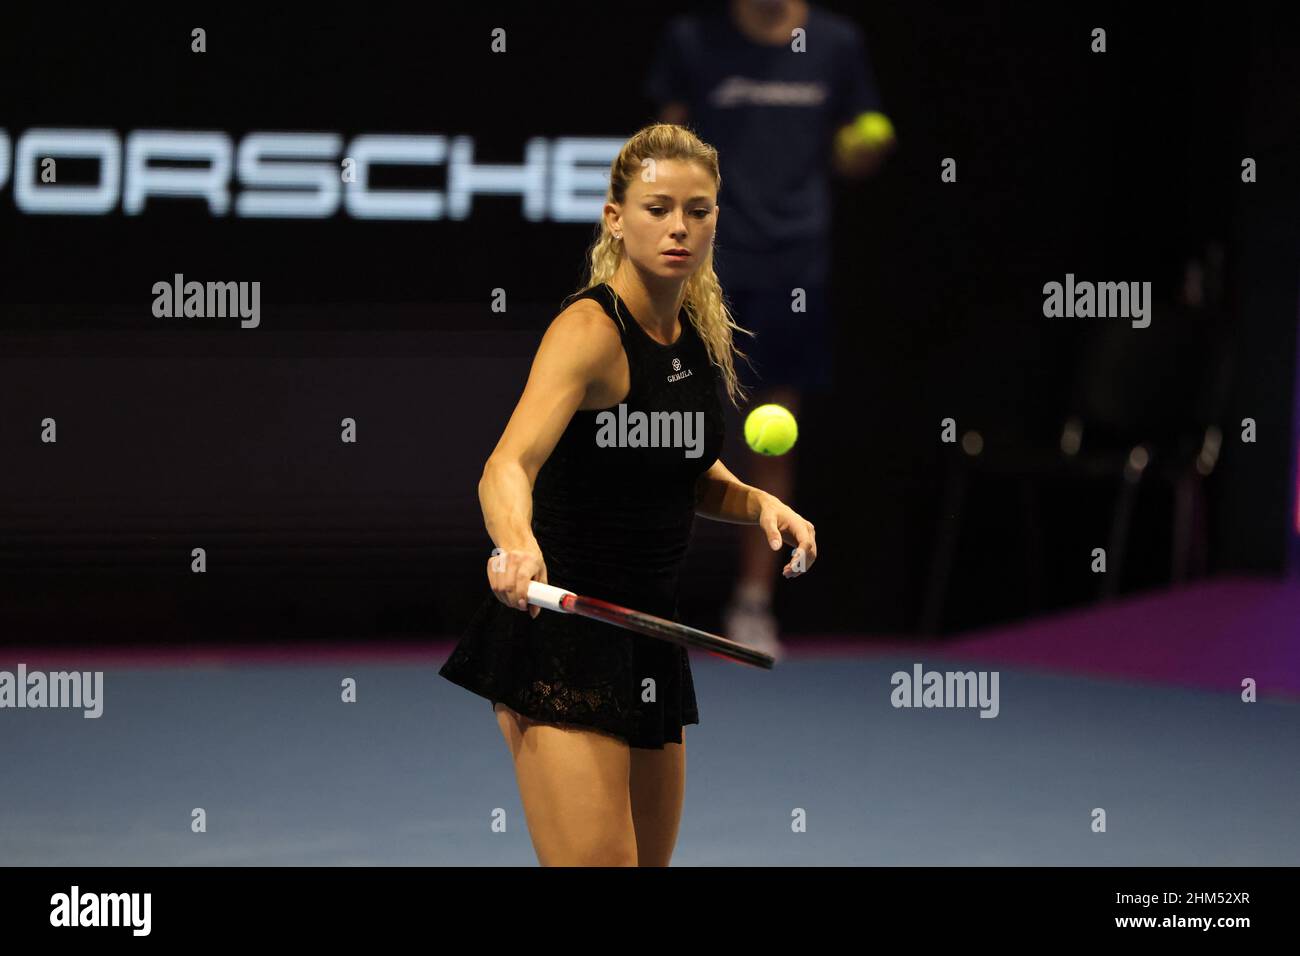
<point>721,496</point>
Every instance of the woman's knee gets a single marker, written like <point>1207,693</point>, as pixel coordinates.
<point>616,850</point>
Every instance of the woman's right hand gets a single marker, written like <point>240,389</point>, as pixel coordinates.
<point>510,571</point>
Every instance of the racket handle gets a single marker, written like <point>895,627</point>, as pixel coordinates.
<point>547,596</point>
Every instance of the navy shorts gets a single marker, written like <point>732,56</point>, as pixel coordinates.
<point>794,349</point>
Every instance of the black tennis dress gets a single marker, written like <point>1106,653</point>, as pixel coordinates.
<point>612,522</point>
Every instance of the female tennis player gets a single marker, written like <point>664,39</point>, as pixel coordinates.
<point>578,496</point>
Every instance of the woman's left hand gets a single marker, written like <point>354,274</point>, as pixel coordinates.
<point>780,523</point>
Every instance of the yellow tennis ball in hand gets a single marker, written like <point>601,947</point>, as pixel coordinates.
<point>771,430</point>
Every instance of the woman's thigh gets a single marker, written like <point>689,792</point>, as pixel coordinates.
<point>658,787</point>
<point>574,784</point>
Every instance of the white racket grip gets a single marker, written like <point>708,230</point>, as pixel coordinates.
<point>547,596</point>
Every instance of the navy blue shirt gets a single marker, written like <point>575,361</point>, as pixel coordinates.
<point>772,114</point>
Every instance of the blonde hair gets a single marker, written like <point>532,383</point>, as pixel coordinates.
<point>704,303</point>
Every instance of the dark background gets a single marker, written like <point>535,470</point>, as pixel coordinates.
<point>180,433</point>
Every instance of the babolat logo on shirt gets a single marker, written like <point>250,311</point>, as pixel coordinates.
<point>679,374</point>
<point>742,91</point>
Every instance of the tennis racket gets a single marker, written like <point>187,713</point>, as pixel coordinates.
<point>557,599</point>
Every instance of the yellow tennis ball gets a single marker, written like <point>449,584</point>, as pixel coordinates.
<point>770,430</point>
<point>875,129</point>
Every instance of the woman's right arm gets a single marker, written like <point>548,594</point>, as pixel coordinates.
<point>577,351</point>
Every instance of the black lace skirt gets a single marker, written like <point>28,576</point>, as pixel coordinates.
<point>564,669</point>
